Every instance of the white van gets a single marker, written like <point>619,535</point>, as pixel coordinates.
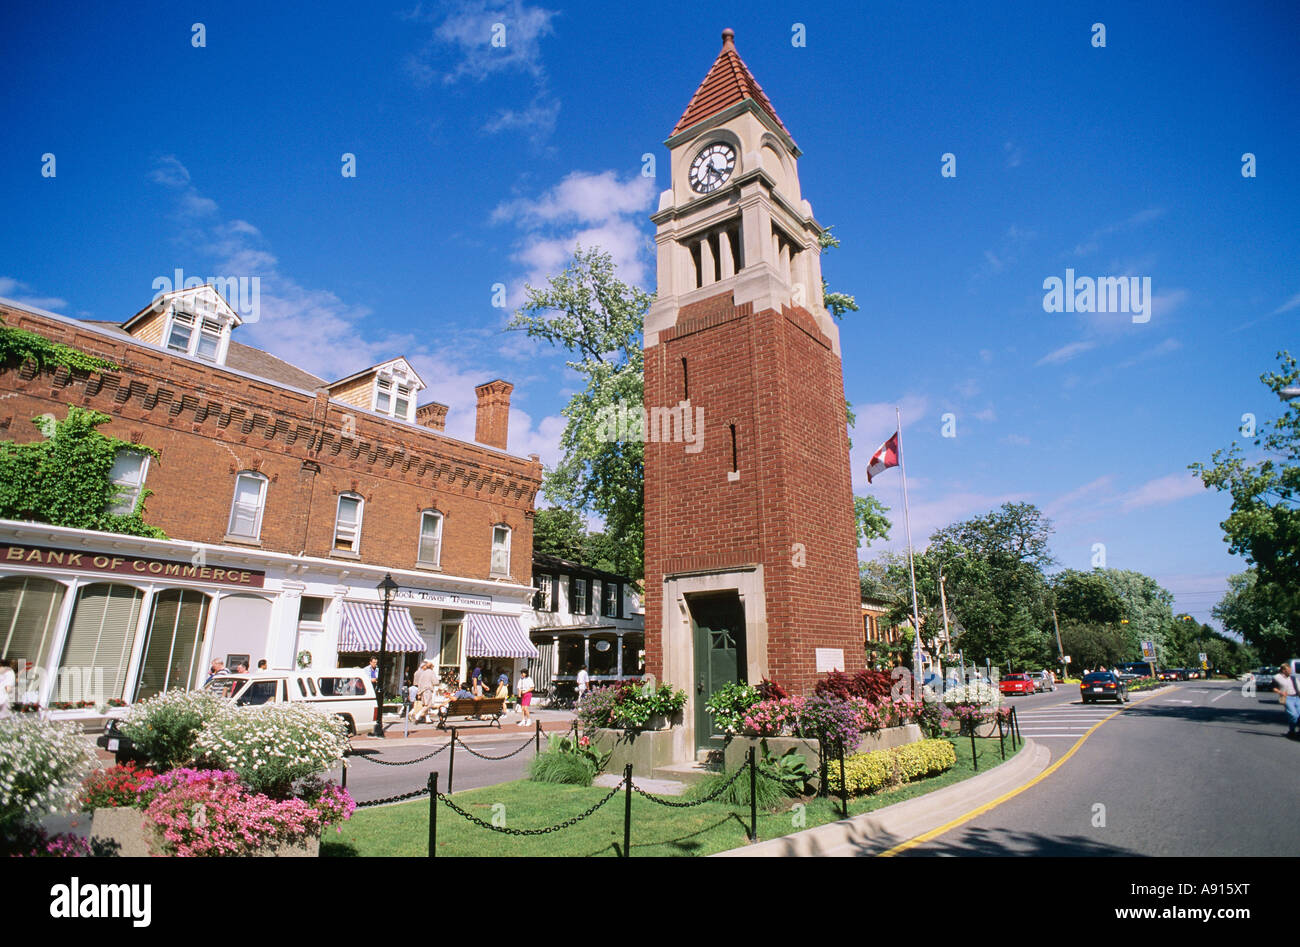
<point>345,692</point>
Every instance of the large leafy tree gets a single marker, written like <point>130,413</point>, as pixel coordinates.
<point>1086,597</point>
<point>1256,612</point>
<point>994,565</point>
<point>1264,523</point>
<point>1148,612</point>
<point>558,532</point>
<point>598,319</point>
<point>873,524</point>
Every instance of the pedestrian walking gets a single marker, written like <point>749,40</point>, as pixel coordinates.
<point>8,686</point>
<point>1288,689</point>
<point>525,695</point>
<point>584,681</point>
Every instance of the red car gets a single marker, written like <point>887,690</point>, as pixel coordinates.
<point>1017,684</point>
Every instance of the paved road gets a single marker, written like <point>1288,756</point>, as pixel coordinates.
<point>368,780</point>
<point>1195,769</point>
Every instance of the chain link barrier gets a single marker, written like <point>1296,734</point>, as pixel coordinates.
<point>416,794</point>
<point>418,759</point>
<point>472,752</point>
<point>658,800</point>
<point>505,830</point>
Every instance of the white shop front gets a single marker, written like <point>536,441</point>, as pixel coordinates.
<point>93,619</point>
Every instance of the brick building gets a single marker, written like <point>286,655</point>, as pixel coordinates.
<point>751,550</point>
<point>286,499</point>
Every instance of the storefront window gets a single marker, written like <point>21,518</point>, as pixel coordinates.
<point>29,614</point>
<point>172,648</point>
<point>571,654</point>
<point>603,655</point>
<point>633,654</point>
<point>99,639</point>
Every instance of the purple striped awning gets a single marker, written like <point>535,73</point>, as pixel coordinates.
<point>363,626</point>
<point>498,636</point>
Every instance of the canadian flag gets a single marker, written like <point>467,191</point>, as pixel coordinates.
<point>886,456</point>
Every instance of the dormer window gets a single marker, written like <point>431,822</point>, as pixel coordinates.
<point>393,397</point>
<point>194,335</point>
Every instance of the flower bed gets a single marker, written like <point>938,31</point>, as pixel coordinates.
<point>42,763</point>
<point>630,705</point>
<point>882,769</point>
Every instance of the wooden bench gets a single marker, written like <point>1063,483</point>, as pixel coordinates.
<point>493,707</point>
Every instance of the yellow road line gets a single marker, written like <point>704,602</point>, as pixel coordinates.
<point>988,806</point>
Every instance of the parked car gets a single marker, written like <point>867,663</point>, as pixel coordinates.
<point>1264,682</point>
<point>345,692</point>
<point>119,744</point>
<point>1044,680</point>
<point>1017,684</point>
<point>1103,685</point>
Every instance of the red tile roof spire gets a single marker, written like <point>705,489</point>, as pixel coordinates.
<point>728,82</point>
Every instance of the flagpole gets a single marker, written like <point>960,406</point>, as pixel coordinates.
<point>917,671</point>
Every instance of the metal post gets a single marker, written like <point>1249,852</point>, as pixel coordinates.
<point>844,785</point>
<point>821,756</point>
<point>627,810</point>
<point>973,758</point>
<point>433,814</point>
<point>537,738</point>
<point>1015,722</point>
<point>451,763</point>
<point>344,761</point>
<point>1002,743</point>
<point>753,797</point>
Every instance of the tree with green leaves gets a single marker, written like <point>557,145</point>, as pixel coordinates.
<point>1256,612</point>
<point>1086,597</point>
<point>872,523</point>
<point>589,312</point>
<point>65,478</point>
<point>558,532</point>
<point>1264,523</point>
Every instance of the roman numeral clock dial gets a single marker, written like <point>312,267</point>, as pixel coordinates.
<point>712,167</point>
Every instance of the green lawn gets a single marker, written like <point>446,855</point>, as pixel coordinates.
<point>403,830</point>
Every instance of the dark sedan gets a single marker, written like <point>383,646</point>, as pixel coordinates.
<point>1102,685</point>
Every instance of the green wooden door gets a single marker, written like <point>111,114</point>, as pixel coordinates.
<point>718,622</point>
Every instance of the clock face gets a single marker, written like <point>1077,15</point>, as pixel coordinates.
<point>712,167</point>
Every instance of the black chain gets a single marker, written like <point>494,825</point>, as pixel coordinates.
<point>402,798</point>
<point>473,752</point>
<point>698,802</point>
<point>567,823</point>
<point>418,759</point>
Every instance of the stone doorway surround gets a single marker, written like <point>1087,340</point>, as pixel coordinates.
<point>678,640</point>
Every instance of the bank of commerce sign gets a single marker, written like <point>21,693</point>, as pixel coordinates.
<point>128,565</point>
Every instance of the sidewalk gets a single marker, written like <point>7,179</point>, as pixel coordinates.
<point>874,832</point>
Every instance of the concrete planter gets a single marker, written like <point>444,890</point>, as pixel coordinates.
<point>126,834</point>
<point>889,738</point>
<point>660,722</point>
<point>738,747</point>
<point>646,750</point>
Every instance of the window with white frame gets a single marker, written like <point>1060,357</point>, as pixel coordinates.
<point>430,537</point>
<point>129,470</point>
<point>610,599</point>
<point>542,597</point>
<point>578,596</point>
<point>246,510</point>
<point>190,334</point>
<point>500,550</point>
<point>347,525</point>
<point>393,397</point>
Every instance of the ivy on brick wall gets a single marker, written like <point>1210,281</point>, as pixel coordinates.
<point>64,479</point>
<point>18,346</point>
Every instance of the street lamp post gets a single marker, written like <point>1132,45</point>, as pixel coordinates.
<point>387,587</point>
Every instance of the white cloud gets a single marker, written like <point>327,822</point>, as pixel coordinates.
<point>1017,440</point>
<point>1287,306</point>
<point>1162,490</point>
<point>1166,347</point>
<point>1014,154</point>
<point>1066,352</point>
<point>20,292</point>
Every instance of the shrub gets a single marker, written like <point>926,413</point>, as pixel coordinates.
<point>628,705</point>
<point>163,728</point>
<point>867,684</point>
<point>596,709</point>
<point>209,812</point>
<point>42,763</point>
<point>771,690</point>
<point>832,720</point>
<point>274,745</point>
<point>729,704</point>
<point>789,769</point>
<point>880,769</point>
<point>113,787</point>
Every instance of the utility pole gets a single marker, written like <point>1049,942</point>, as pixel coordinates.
<point>1060,652</point>
<point>943,604</point>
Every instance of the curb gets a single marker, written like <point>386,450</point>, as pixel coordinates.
<point>874,832</point>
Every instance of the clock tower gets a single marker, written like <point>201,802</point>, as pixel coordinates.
<point>750,541</point>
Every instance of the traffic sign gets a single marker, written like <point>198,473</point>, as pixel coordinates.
<point>1149,650</point>
<point>1202,657</point>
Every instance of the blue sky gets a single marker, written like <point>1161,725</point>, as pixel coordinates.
<point>479,165</point>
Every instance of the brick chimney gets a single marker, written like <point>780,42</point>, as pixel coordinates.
<point>432,415</point>
<point>493,413</point>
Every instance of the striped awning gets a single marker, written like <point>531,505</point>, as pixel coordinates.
<point>363,626</point>
<point>498,636</point>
